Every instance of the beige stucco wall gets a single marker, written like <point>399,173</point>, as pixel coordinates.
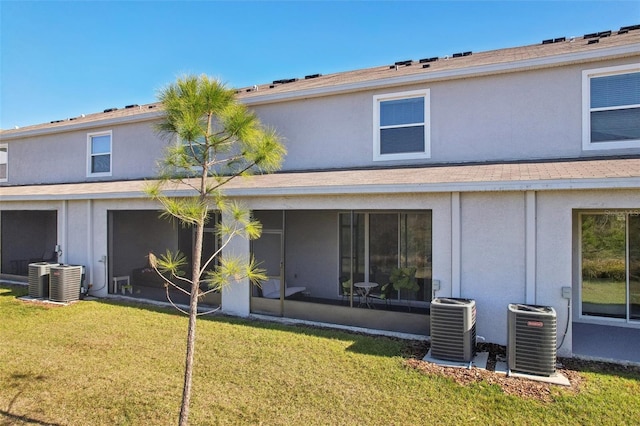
<point>62,157</point>
<point>523,115</point>
<point>492,257</point>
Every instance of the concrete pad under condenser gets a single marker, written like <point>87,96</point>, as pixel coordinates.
<point>45,301</point>
<point>478,361</point>
<point>555,379</point>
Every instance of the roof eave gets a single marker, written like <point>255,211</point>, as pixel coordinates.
<point>416,188</point>
<point>71,126</point>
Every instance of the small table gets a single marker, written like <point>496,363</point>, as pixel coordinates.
<point>364,289</point>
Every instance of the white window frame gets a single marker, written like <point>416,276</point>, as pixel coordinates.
<point>90,137</point>
<point>182,142</point>
<point>5,148</point>
<point>587,75</point>
<point>377,99</point>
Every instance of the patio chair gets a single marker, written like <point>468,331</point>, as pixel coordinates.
<point>348,290</point>
<point>385,293</point>
<point>47,256</point>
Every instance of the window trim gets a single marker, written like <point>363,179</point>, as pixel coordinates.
<point>587,75</point>
<point>602,319</point>
<point>90,137</point>
<point>6,163</point>
<point>377,100</point>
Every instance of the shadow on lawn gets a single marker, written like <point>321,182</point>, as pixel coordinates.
<point>374,345</point>
<point>15,290</point>
<point>360,342</point>
<point>12,418</point>
<point>22,380</point>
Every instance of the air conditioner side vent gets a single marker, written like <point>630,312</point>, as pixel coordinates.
<point>39,279</point>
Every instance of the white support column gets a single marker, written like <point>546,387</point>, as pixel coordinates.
<point>456,249</point>
<point>530,247</point>
<point>90,258</point>
<point>63,227</point>
<point>236,296</point>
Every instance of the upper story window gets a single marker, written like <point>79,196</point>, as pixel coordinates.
<point>4,162</point>
<point>99,154</point>
<point>401,126</point>
<point>611,107</point>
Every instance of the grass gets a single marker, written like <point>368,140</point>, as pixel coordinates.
<point>105,363</point>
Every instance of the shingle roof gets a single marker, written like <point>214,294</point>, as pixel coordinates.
<point>438,68</point>
<point>462,60</point>
<point>584,174</point>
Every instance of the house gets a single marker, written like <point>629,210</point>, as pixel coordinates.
<point>507,176</point>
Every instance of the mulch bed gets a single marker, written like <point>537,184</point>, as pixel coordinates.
<point>571,368</point>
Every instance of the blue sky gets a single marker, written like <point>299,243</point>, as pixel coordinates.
<point>60,59</point>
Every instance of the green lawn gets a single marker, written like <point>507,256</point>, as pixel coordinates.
<point>105,363</point>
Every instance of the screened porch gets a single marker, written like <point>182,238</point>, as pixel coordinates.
<point>368,269</point>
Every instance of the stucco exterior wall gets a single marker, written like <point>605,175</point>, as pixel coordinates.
<point>492,257</point>
<point>76,237</point>
<point>62,157</point>
<point>517,116</point>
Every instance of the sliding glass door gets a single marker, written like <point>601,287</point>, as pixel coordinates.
<point>610,263</point>
<point>634,267</point>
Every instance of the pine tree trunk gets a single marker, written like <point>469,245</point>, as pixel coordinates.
<point>188,368</point>
<point>191,333</point>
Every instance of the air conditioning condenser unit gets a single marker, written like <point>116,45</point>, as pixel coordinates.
<point>531,346</point>
<point>453,329</point>
<point>65,283</point>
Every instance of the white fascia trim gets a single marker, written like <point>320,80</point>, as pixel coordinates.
<point>419,188</point>
<point>525,64</point>
<point>426,188</point>
<point>73,126</point>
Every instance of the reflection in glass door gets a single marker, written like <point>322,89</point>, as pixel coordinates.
<point>267,252</point>
<point>610,247</point>
<point>634,267</point>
